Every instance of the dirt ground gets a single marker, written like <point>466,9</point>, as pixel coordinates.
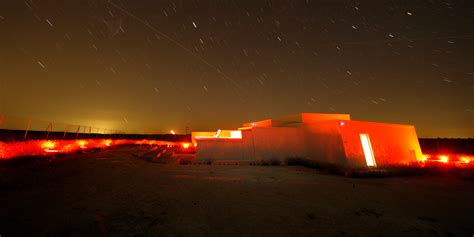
<point>114,193</point>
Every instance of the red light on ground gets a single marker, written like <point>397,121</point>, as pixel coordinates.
<point>82,144</point>
<point>48,146</point>
<point>443,158</point>
<point>67,148</point>
<point>465,160</point>
<point>51,151</point>
<point>2,151</point>
<point>44,147</point>
<point>459,160</point>
<point>108,142</point>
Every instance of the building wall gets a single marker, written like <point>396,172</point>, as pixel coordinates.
<point>219,149</point>
<point>278,143</point>
<point>392,144</point>
<point>324,143</point>
<point>248,145</point>
<point>334,141</point>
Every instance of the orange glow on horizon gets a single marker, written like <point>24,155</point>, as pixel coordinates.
<point>47,147</point>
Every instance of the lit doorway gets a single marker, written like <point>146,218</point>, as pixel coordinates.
<point>368,152</point>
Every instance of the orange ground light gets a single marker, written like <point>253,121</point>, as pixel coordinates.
<point>47,147</point>
<point>458,160</point>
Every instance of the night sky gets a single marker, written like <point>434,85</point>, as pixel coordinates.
<point>151,66</point>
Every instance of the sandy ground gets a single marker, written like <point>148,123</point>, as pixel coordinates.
<point>114,193</point>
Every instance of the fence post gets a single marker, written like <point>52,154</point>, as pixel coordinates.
<point>49,129</point>
<point>77,132</point>
<point>27,128</point>
<point>65,131</point>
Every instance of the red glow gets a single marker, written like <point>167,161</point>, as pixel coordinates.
<point>107,142</point>
<point>82,144</point>
<point>47,147</point>
<point>459,160</point>
<point>443,159</point>
<point>465,160</point>
<point>2,149</point>
<point>185,145</point>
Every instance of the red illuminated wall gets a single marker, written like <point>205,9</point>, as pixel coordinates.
<point>261,144</point>
<point>313,137</point>
<point>248,145</point>
<point>278,143</point>
<point>392,144</point>
<point>219,149</point>
<point>324,143</point>
<point>338,142</point>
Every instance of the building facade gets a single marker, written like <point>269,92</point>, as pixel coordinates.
<point>323,138</point>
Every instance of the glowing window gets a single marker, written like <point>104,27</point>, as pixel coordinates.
<point>236,134</point>
<point>368,152</point>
